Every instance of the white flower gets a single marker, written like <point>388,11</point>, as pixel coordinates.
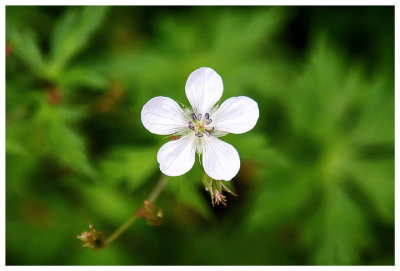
<point>199,128</point>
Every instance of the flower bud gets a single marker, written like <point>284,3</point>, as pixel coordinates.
<point>215,188</point>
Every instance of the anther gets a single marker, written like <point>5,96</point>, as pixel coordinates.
<point>208,121</point>
<point>194,117</point>
<point>207,132</point>
<point>199,116</point>
<point>207,116</point>
<point>191,126</point>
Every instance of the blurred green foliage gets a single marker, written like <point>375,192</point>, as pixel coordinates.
<point>316,184</point>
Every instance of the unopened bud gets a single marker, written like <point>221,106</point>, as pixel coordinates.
<point>92,238</point>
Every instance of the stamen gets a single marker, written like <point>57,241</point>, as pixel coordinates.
<point>207,132</point>
<point>208,121</point>
<point>198,134</point>
<point>211,130</point>
<point>194,117</point>
<point>199,116</point>
<point>207,116</point>
<point>191,125</point>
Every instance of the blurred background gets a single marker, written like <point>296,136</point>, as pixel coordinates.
<point>316,184</point>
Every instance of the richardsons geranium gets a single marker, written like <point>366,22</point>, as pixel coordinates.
<point>198,128</point>
<point>195,129</point>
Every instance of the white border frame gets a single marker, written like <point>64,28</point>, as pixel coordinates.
<point>205,2</point>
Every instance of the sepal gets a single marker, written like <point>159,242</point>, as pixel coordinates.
<point>216,188</point>
<point>151,213</point>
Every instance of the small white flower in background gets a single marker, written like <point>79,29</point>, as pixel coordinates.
<point>199,128</point>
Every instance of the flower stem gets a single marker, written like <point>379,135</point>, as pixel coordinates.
<point>158,188</point>
<point>151,199</point>
<point>121,229</point>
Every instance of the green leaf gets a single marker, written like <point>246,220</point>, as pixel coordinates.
<point>375,179</point>
<point>325,90</point>
<point>52,134</point>
<point>338,232</point>
<point>376,124</point>
<point>19,169</point>
<point>251,146</point>
<point>186,190</point>
<point>109,204</point>
<point>73,33</point>
<point>25,47</point>
<point>14,145</point>
<point>130,165</point>
<point>81,76</point>
<point>256,32</point>
<point>278,198</point>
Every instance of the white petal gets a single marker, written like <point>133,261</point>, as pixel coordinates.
<point>220,160</point>
<point>177,157</point>
<point>163,116</point>
<point>236,115</point>
<point>203,89</point>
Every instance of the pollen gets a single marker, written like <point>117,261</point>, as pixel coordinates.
<point>200,125</point>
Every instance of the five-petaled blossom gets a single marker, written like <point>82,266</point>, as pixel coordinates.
<point>199,127</point>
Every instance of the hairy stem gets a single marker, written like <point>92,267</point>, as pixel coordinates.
<point>151,199</point>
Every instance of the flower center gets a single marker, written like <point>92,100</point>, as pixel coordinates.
<point>200,125</point>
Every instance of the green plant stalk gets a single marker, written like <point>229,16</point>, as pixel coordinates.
<point>151,199</point>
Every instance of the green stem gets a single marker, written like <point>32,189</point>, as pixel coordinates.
<point>151,199</point>
<point>158,188</point>
<point>121,229</point>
